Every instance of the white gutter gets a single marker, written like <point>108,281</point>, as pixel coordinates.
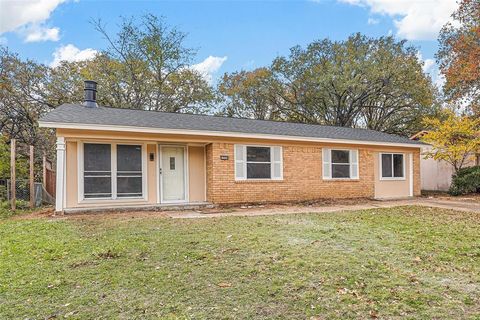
<point>212,133</point>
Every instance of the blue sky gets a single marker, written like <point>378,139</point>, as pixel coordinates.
<point>234,34</point>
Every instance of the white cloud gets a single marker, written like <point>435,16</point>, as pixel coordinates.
<point>28,17</point>
<point>414,20</point>
<point>372,21</point>
<point>71,53</point>
<point>36,33</point>
<point>208,67</point>
<point>429,66</point>
<point>439,80</point>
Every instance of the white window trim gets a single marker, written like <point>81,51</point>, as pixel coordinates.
<point>113,146</point>
<point>271,163</point>
<point>349,165</point>
<point>381,165</point>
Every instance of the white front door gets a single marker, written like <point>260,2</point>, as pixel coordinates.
<point>172,168</point>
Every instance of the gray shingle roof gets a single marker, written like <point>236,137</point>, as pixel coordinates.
<point>78,114</point>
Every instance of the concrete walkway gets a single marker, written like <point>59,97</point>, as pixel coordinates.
<point>468,206</point>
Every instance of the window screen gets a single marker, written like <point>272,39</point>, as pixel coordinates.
<point>387,165</point>
<point>340,164</point>
<point>97,182</point>
<point>129,171</point>
<point>392,165</point>
<point>258,163</point>
<point>398,165</point>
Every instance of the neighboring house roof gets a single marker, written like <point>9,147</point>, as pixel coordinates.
<point>106,118</point>
<point>417,136</point>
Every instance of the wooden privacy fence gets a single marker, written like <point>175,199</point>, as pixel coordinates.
<point>50,182</point>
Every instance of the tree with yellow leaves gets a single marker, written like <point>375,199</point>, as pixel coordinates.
<point>454,139</point>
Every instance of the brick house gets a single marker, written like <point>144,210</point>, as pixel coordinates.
<point>110,157</point>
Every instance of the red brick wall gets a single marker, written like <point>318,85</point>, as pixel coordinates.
<point>302,177</point>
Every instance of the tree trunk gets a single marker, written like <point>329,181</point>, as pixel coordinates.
<point>12,176</point>
<point>32,180</point>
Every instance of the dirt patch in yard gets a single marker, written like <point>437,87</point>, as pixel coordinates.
<point>49,212</point>
<point>472,197</point>
<point>44,212</point>
<point>288,205</point>
<point>324,205</point>
<point>113,214</point>
<point>228,209</point>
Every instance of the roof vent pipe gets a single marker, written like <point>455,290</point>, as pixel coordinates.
<point>90,90</point>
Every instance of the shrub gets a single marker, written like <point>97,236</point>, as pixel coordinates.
<point>467,180</point>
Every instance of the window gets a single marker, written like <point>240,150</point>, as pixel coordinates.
<point>340,164</point>
<point>112,171</point>
<point>129,171</point>
<point>97,171</point>
<point>258,162</point>
<point>392,166</point>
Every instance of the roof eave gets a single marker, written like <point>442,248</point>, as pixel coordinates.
<point>104,127</point>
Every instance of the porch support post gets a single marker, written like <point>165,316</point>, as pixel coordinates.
<point>60,175</point>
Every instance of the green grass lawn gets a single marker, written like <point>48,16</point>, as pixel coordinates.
<point>407,262</point>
